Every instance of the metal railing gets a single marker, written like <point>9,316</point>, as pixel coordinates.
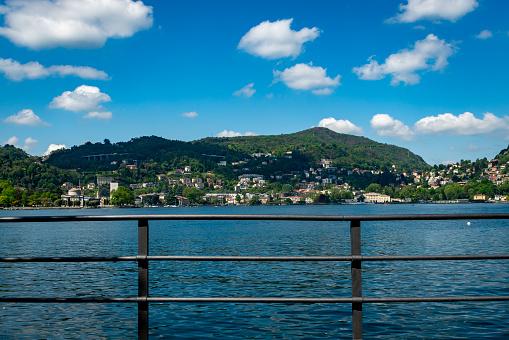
<point>355,258</point>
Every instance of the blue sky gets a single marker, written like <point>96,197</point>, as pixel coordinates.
<point>427,75</point>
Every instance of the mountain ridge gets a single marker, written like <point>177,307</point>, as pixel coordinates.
<point>309,146</point>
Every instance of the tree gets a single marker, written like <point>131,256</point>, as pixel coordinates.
<point>255,200</point>
<point>122,196</point>
<point>374,187</point>
<point>194,195</point>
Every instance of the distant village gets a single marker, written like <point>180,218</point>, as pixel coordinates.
<point>324,184</point>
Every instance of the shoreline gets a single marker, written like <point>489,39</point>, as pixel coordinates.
<point>245,205</point>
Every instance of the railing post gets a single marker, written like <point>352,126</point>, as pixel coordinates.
<point>143,279</point>
<point>355,245</point>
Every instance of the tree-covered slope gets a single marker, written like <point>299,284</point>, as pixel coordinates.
<point>317,143</point>
<point>18,168</point>
<point>308,147</point>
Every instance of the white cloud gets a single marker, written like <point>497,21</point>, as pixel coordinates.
<point>15,71</point>
<point>322,92</point>
<point>247,91</point>
<point>190,114</point>
<point>451,10</point>
<point>227,133</point>
<point>83,98</point>
<point>340,126</point>
<point>12,141</point>
<point>26,117</point>
<point>419,27</point>
<point>273,40</point>
<point>99,115</point>
<point>307,77</point>
<point>83,72</point>
<point>29,143</point>
<point>250,134</point>
<point>385,125</point>
<point>429,54</point>
<point>54,147</point>
<point>484,35</point>
<point>465,124</point>
<point>72,23</point>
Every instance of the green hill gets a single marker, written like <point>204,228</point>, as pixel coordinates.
<point>318,143</point>
<point>307,147</point>
<point>19,168</point>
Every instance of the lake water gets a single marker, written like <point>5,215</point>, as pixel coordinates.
<point>479,320</point>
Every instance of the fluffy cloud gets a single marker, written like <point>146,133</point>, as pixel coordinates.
<point>307,77</point>
<point>273,40</point>
<point>105,115</point>
<point>12,141</point>
<point>26,117</point>
<point>54,147</point>
<point>340,126</point>
<point>464,124</point>
<point>429,54</point>
<point>72,23</point>
<point>451,10</point>
<point>83,98</point>
<point>484,35</point>
<point>15,71</point>
<point>385,125</point>
<point>227,133</point>
<point>322,92</point>
<point>190,114</point>
<point>29,143</point>
<point>247,91</point>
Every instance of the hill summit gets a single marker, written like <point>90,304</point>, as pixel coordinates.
<point>308,148</point>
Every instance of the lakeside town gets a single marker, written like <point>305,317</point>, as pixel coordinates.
<point>454,183</point>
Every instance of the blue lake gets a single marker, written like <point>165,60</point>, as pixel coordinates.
<point>479,320</point>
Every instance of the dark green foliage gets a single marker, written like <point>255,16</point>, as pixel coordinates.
<point>158,155</point>
<point>122,196</point>
<point>194,195</point>
<point>20,169</point>
<point>311,145</point>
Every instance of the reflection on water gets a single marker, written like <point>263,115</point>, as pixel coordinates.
<point>261,279</point>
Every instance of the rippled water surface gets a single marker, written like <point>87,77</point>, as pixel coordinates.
<point>479,320</point>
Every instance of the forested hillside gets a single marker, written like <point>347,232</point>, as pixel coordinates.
<point>317,143</point>
<point>308,148</point>
<point>18,168</point>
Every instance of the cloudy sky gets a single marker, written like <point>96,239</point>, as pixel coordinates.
<point>427,75</point>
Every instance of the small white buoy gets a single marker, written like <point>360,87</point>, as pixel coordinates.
<point>468,223</point>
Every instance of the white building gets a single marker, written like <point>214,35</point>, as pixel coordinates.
<point>374,197</point>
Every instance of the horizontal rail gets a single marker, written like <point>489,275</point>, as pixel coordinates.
<point>323,218</point>
<point>355,258</point>
<point>256,299</point>
<point>258,258</point>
